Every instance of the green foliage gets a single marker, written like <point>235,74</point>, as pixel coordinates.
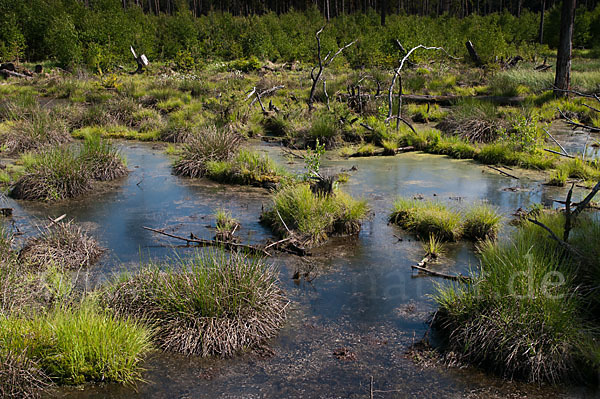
<point>525,314</point>
<point>84,344</point>
<point>245,64</point>
<point>246,168</point>
<point>481,222</point>
<point>312,160</point>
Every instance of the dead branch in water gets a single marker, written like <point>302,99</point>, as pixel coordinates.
<point>459,277</point>
<point>201,242</point>
<point>503,172</point>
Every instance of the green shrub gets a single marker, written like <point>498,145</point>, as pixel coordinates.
<point>102,160</point>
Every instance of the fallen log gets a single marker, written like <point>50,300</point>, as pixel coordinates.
<point>502,172</point>
<point>7,73</point>
<point>458,277</point>
<point>205,243</point>
<point>383,152</point>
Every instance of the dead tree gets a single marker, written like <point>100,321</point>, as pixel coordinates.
<point>473,54</point>
<point>565,45</point>
<point>323,63</point>
<point>403,61</point>
<point>142,61</point>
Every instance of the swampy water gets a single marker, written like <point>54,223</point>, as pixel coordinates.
<point>363,300</point>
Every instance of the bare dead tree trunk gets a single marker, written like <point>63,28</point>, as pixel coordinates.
<point>323,63</point>
<point>397,74</point>
<point>565,45</point>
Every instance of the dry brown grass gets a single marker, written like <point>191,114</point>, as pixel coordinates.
<point>64,244</point>
<point>210,144</point>
<point>35,130</point>
<point>20,377</point>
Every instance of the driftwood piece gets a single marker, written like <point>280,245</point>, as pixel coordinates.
<point>459,277</point>
<point>142,61</point>
<point>201,242</point>
<point>558,153</point>
<point>383,152</point>
<point>502,172</point>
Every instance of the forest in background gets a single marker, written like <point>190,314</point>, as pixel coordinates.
<point>98,33</point>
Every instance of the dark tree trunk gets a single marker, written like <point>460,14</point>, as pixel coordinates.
<point>383,11</point>
<point>563,56</point>
<point>542,22</point>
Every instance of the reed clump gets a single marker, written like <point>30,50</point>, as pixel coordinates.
<point>213,304</point>
<point>210,144</point>
<point>315,216</point>
<point>64,244</point>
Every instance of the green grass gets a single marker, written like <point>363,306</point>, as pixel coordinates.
<point>434,247</point>
<point>425,113</point>
<point>314,216</point>
<point>82,344</point>
<point>432,218</point>
<point>116,132</point>
<point>212,303</point>
<point>526,314</point>
<point>246,168</point>
<point>481,222</point>
<point>427,217</point>
<point>224,222</point>
<point>324,128</point>
<point>33,128</point>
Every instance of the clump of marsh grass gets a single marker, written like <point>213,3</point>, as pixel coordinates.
<point>75,345</point>
<point>33,130</point>
<point>21,377</point>
<point>522,317</point>
<point>481,222</point>
<point>226,225</point>
<point>474,121</point>
<point>427,217</point>
<point>211,144</point>
<point>214,304</point>
<point>64,244</point>
<point>102,159</point>
<point>246,168</point>
<point>434,247</point>
<point>315,216</point>
<point>53,174</point>
<point>558,178</point>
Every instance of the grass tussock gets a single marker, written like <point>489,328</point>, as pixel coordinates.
<point>246,168</point>
<point>225,226</point>
<point>75,345</point>
<point>64,244</point>
<point>51,175</point>
<point>102,159</point>
<point>481,222</point>
<point>211,144</point>
<point>35,130</point>
<point>473,121</point>
<point>213,304</point>
<point>527,315</point>
<point>315,216</point>
<point>431,218</point>
<point>427,217</point>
